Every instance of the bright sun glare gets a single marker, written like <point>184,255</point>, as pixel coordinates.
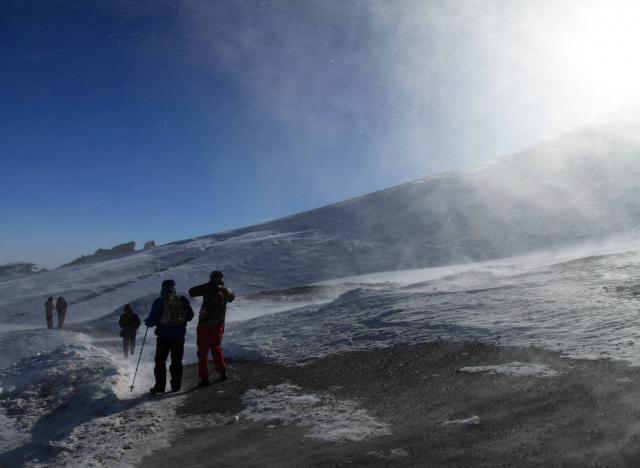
<point>596,50</point>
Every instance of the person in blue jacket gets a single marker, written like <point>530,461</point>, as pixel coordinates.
<point>169,314</point>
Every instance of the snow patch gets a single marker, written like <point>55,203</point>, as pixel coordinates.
<point>59,387</point>
<point>516,368</point>
<point>124,438</point>
<point>472,421</point>
<point>327,418</point>
<point>72,407</point>
<point>16,344</point>
<point>390,455</point>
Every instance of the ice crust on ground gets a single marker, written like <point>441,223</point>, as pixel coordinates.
<point>326,418</point>
<point>516,369</point>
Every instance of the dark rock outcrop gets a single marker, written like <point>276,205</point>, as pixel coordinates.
<point>20,269</point>
<point>149,245</point>
<point>119,250</point>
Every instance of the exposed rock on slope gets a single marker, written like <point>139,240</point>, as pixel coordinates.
<point>19,269</point>
<point>106,254</point>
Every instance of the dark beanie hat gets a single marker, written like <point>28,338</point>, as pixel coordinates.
<point>168,287</point>
<point>216,275</point>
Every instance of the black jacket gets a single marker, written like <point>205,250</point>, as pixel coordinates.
<point>215,297</point>
<point>61,305</point>
<point>129,324</point>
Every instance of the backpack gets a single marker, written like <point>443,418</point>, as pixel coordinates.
<point>214,304</point>
<point>216,298</point>
<point>173,314</point>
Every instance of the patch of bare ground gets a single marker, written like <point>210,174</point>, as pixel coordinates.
<point>586,415</point>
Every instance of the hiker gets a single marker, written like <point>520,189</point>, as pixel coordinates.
<point>61,307</point>
<point>169,314</point>
<point>215,297</point>
<point>129,323</point>
<point>49,308</point>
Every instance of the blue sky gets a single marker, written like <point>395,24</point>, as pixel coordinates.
<point>151,119</point>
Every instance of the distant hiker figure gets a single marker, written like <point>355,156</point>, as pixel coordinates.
<point>61,307</point>
<point>129,324</point>
<point>215,297</point>
<point>49,307</point>
<point>169,314</point>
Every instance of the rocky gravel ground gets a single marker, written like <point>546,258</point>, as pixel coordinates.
<point>414,405</point>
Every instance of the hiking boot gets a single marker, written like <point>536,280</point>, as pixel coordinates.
<point>223,375</point>
<point>156,391</point>
<point>204,382</point>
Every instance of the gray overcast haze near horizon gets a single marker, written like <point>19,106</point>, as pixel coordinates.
<point>367,95</point>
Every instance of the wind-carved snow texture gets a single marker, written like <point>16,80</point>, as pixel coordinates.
<point>47,394</point>
<point>326,418</point>
<point>125,437</point>
<point>18,344</point>
<point>516,369</point>
<point>71,407</point>
<point>585,308</point>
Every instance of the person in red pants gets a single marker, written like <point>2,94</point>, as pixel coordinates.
<point>215,297</point>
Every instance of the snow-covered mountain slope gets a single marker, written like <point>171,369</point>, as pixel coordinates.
<point>586,307</point>
<point>580,187</point>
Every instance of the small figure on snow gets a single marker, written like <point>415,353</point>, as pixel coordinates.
<point>61,307</point>
<point>169,314</point>
<point>49,307</point>
<point>215,297</point>
<point>129,324</point>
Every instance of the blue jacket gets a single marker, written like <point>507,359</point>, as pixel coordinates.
<point>153,320</point>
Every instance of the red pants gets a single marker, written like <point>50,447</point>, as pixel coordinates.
<point>210,339</point>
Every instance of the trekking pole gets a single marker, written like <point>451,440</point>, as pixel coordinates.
<point>139,357</point>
